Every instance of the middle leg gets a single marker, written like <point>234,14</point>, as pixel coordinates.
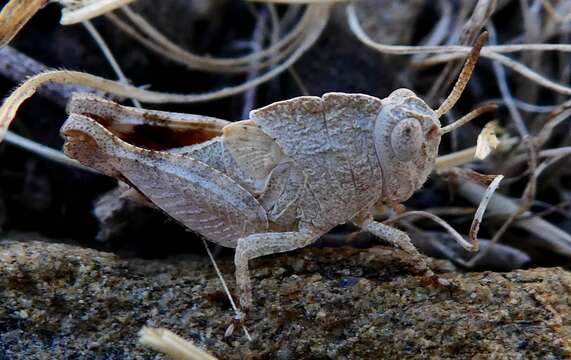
<point>261,244</point>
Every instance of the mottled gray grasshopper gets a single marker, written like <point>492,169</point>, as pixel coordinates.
<point>279,180</point>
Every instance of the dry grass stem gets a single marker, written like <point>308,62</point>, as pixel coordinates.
<point>226,291</point>
<point>526,201</point>
<point>468,34</point>
<point>453,52</point>
<point>553,12</point>
<point>469,154</point>
<point>505,91</point>
<point>44,151</point>
<point>551,236</point>
<point>457,237</point>
<point>27,89</point>
<point>290,2</point>
<point>167,342</point>
<point>478,217</point>
<point>15,15</point>
<point>76,11</point>
<point>146,34</point>
<point>108,55</point>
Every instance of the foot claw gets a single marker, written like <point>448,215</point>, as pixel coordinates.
<point>236,322</point>
<point>440,282</point>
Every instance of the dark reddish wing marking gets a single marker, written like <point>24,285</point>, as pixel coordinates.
<point>156,135</point>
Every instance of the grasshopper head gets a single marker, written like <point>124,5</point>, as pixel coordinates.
<point>407,136</point>
<point>408,132</point>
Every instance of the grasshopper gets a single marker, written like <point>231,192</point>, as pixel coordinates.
<point>278,180</point>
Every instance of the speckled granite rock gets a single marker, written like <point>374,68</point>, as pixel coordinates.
<point>61,302</point>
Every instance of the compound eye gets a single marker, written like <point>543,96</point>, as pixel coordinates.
<point>406,139</point>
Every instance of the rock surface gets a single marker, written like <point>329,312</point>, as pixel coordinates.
<point>61,301</point>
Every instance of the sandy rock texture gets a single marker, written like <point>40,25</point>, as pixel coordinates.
<point>61,301</point>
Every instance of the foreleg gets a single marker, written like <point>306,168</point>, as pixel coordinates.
<point>401,240</point>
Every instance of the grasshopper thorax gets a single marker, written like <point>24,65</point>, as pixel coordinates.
<point>406,141</point>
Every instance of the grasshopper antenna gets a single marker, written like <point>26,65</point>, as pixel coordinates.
<point>462,81</point>
<point>468,117</point>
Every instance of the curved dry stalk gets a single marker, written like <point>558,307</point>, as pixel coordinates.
<point>151,38</point>
<point>108,55</point>
<point>197,60</point>
<point>28,88</point>
<point>529,74</point>
<point>17,67</point>
<point>560,151</point>
<point>452,52</point>
<point>532,31</point>
<point>275,23</point>
<point>356,28</point>
<point>482,12</point>
<point>55,155</point>
<point>552,237</point>
<point>459,239</point>
<point>552,160</point>
<point>15,15</point>
<point>167,342</point>
<point>468,33</point>
<point>440,31</point>
<point>299,1</point>
<point>526,202</point>
<point>506,61</point>
<point>553,119</point>
<point>225,287</point>
<point>290,16</point>
<point>75,11</point>
<point>259,34</point>
<point>472,243</point>
<point>44,151</point>
<point>553,12</point>
<point>467,155</point>
<point>505,90</point>
<point>478,217</point>
<point>527,107</point>
<point>559,208</point>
